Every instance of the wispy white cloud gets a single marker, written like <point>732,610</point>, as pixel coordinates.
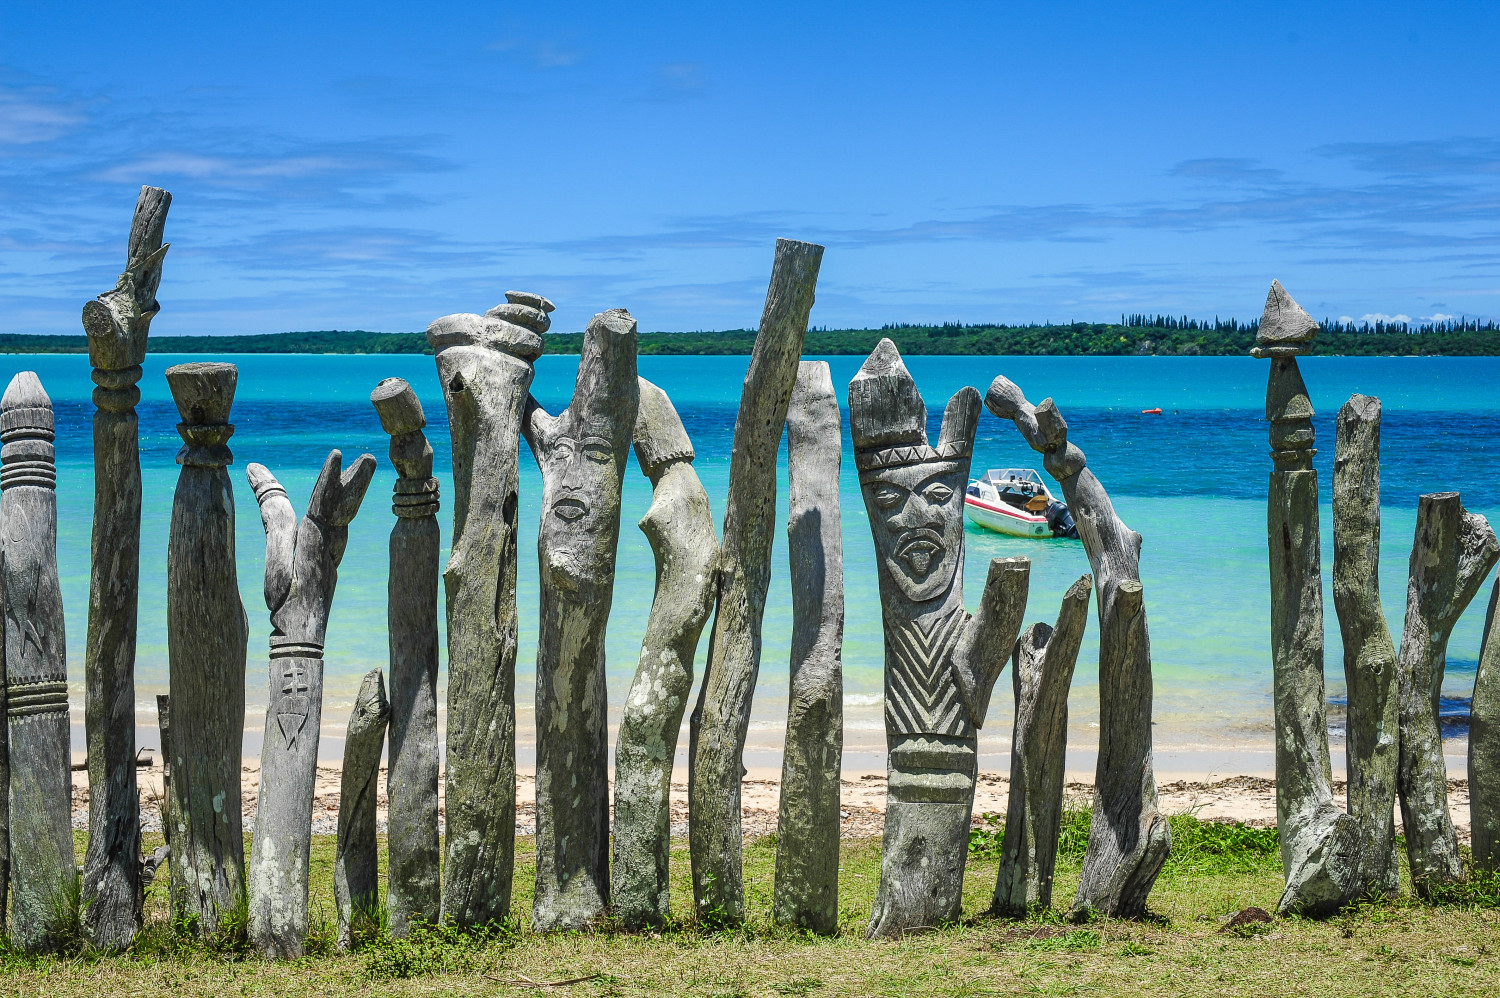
<point>678,81</point>
<point>30,115</point>
<point>539,54</point>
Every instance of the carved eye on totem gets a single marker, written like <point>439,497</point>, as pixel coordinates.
<point>598,451</point>
<point>938,493</point>
<point>569,509</point>
<point>888,496</point>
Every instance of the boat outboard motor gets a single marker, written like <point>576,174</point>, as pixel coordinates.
<point>1061,520</point>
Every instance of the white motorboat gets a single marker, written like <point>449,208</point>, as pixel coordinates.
<point>1016,502</point>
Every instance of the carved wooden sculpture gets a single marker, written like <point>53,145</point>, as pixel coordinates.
<point>581,453</point>
<point>940,664</point>
<point>117,322</point>
<point>679,525</point>
<point>1128,837</point>
<point>484,363</point>
<point>721,718</point>
<point>1484,747</point>
<point>43,875</point>
<point>206,636</point>
<point>807,820</point>
<point>356,865</point>
<point>1042,672</point>
<point>302,563</point>
<point>1319,843</point>
<point>1453,552</point>
<point>1373,742</point>
<point>414,891</point>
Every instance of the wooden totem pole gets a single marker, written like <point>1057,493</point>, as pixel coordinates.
<point>206,637</point>
<point>940,664</point>
<point>414,890</point>
<point>116,323</point>
<point>356,864</point>
<point>43,875</point>
<point>484,362</point>
<point>302,562</point>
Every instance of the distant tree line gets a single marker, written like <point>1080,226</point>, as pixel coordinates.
<point>1136,334</point>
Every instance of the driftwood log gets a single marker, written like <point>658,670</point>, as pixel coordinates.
<point>807,819</point>
<point>1041,673</point>
<point>1453,552</point>
<point>415,889</point>
<point>484,363</point>
<point>301,572</point>
<point>581,453</point>
<point>940,664</point>
<point>1484,747</point>
<point>356,864</point>
<point>1128,836</point>
<point>43,874</point>
<point>1320,843</point>
<point>1372,743</point>
<point>206,639</point>
<point>116,323</point>
<point>679,526</point>
<point>721,718</point>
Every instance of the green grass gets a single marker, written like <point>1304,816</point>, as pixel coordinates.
<point>1397,947</point>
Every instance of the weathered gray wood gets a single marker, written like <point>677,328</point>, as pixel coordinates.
<point>581,453</point>
<point>43,874</point>
<point>484,363</point>
<point>679,526</point>
<point>1373,741</point>
<point>1453,552</point>
<point>116,323</point>
<point>415,890</point>
<point>302,563</point>
<point>940,664</point>
<point>807,819</point>
<point>1042,672</point>
<point>162,854</point>
<point>356,865</point>
<point>1484,747</point>
<point>721,717</point>
<point>1128,837</point>
<point>206,639</point>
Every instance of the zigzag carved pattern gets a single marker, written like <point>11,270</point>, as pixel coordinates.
<point>921,696</point>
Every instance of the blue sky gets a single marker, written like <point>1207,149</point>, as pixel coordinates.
<point>377,165</point>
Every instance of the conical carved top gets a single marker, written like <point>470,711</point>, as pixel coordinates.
<point>1285,327</point>
<point>515,327</point>
<point>885,408</point>
<point>25,392</point>
<point>203,391</point>
<point>26,434</point>
<point>659,435</point>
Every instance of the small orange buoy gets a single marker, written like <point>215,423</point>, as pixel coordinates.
<point>1151,412</point>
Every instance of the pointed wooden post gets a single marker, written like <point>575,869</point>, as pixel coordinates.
<point>302,562</point>
<point>680,528</point>
<point>43,874</point>
<point>117,322</point>
<point>414,891</point>
<point>807,818</point>
<point>206,638</point>
<point>940,663</point>
<point>1128,837</point>
<point>356,864</point>
<point>484,362</point>
<point>721,718</point>
<point>1484,746</point>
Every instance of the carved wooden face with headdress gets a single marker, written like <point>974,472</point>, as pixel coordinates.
<point>913,492</point>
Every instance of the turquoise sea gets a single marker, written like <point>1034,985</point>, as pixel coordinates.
<point>1192,481</point>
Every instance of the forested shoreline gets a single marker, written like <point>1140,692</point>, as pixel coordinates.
<point>1144,335</point>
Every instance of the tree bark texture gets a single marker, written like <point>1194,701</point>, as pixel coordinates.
<point>1128,837</point>
<point>1484,747</point>
<point>356,865</point>
<point>721,718</point>
<point>163,853</point>
<point>807,819</point>
<point>484,363</point>
<point>581,454</point>
<point>679,526</point>
<point>414,882</point>
<point>940,663</point>
<point>302,562</point>
<point>206,637</point>
<point>43,874</point>
<point>116,323</point>
<point>1453,552</point>
<point>1373,741</point>
<point>1042,673</point>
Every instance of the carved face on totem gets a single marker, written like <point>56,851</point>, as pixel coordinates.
<point>581,498</point>
<point>917,517</point>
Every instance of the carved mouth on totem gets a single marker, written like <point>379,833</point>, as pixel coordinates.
<point>921,550</point>
<point>570,509</point>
